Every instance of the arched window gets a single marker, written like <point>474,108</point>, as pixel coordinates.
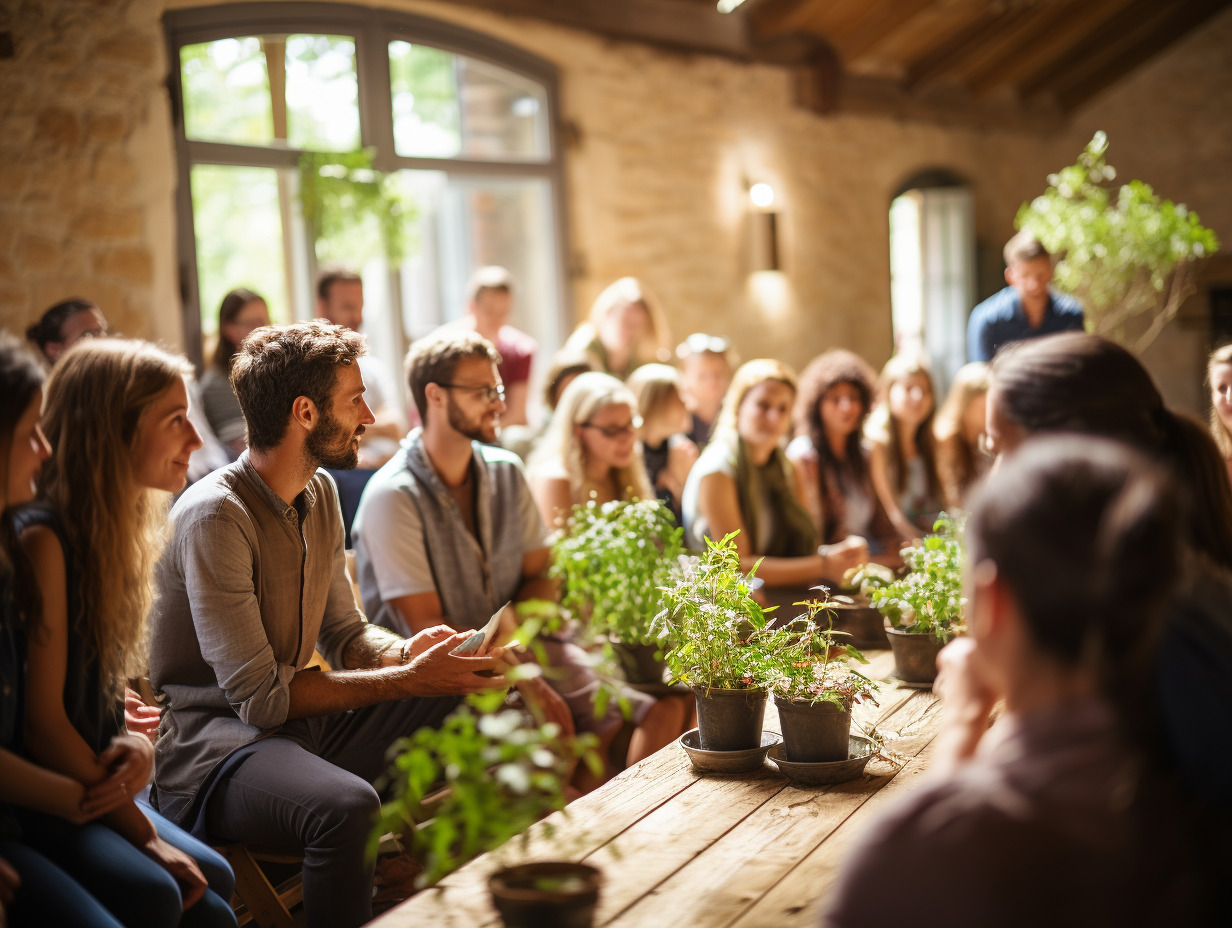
<point>932,268</point>
<point>409,150</point>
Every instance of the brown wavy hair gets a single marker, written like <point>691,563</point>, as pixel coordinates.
<point>825,372</point>
<point>96,398</point>
<point>21,379</point>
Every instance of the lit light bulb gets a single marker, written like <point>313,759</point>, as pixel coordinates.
<point>762,195</point>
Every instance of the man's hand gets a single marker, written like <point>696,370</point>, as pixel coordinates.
<point>967,696</point>
<point>546,704</point>
<point>438,672</point>
<point>130,761</point>
<point>422,642</point>
<point>139,718</point>
<point>839,558</point>
<point>179,865</point>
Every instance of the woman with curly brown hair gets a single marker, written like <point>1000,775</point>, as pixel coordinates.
<point>836,394</point>
<point>116,417</point>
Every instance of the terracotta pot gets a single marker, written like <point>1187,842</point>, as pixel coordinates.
<point>813,732</point>
<point>730,720</point>
<point>547,894</point>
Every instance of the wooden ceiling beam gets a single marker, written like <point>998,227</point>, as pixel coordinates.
<point>1180,21</point>
<point>946,106</point>
<point>1051,42</point>
<point>947,59</point>
<point>1121,39</point>
<point>880,21</point>
<point>771,18</point>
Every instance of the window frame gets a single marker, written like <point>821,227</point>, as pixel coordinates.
<point>372,30</point>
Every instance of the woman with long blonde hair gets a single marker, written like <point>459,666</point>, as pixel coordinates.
<point>958,429</point>
<point>116,416</point>
<point>591,449</point>
<point>625,329</point>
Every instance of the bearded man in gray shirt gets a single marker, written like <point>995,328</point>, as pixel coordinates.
<point>254,745</point>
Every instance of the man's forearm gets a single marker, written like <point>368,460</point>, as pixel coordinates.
<point>314,693</point>
<point>374,647</point>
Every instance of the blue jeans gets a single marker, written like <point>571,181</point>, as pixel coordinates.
<point>119,879</point>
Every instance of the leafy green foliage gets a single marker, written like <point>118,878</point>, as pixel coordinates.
<point>502,776</point>
<point>715,632</point>
<point>806,662</point>
<point>1127,253</point>
<point>613,562</point>
<point>340,194</point>
<point>928,600</point>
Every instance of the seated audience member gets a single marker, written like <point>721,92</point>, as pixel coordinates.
<point>255,746</point>
<point>958,430</point>
<point>590,451</point>
<point>116,418</point>
<point>449,491</point>
<point>707,362</point>
<point>64,325</point>
<point>1052,815</point>
<point>489,307</point>
<point>565,366</point>
<point>1026,308</point>
<point>340,299</point>
<point>902,459</point>
<point>624,331</point>
<point>744,482</point>
<point>836,394</point>
<point>1074,382</point>
<point>240,312</point>
<point>667,452</point>
<point>38,891</point>
<point>1219,381</point>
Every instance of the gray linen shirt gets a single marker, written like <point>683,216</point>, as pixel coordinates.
<point>245,590</point>
<point>410,536</point>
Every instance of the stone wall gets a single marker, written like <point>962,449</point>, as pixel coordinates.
<point>655,177</point>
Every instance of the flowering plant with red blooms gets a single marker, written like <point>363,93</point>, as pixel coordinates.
<point>808,664</point>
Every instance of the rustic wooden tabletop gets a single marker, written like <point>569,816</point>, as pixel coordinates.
<point>681,849</point>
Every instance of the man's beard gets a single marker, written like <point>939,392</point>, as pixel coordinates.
<point>471,428</point>
<point>330,444</point>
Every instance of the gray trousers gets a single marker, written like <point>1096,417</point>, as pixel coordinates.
<point>308,789</point>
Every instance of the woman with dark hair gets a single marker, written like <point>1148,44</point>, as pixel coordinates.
<point>241,311</point>
<point>116,418</point>
<point>1079,383</point>
<point>1052,815</point>
<point>836,395</point>
<point>65,324</point>
<point>744,483</point>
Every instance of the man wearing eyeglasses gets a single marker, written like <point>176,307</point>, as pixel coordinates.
<point>447,531</point>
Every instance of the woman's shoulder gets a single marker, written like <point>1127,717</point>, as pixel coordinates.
<point>801,449</point>
<point>37,515</point>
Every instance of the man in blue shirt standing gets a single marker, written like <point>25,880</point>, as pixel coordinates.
<point>1027,308</point>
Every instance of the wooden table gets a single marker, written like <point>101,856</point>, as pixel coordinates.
<point>683,850</point>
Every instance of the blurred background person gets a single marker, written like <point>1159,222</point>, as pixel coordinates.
<point>667,451</point>
<point>1219,380</point>
<point>707,363</point>
<point>959,429</point>
<point>240,312</point>
<point>625,330</point>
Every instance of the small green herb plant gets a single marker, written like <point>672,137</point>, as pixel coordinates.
<point>806,661</point>
<point>502,776</point>
<point>612,563</point>
<point>928,600</point>
<point>715,631</point>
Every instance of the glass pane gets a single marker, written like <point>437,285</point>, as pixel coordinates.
<point>322,93</point>
<point>238,227</point>
<point>227,92</point>
<point>448,106</point>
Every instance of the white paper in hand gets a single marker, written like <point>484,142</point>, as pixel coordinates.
<point>479,642</point>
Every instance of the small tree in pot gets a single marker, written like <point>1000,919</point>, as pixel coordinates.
<point>815,685</point>
<point>611,565</point>
<point>718,643</point>
<point>925,608</point>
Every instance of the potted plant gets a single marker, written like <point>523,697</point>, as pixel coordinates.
<point>716,640</point>
<point>924,608</point>
<point>500,775</point>
<point>814,685</point>
<point>853,612</point>
<point>611,565</point>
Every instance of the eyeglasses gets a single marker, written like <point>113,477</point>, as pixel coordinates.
<point>616,431</point>
<point>490,393</point>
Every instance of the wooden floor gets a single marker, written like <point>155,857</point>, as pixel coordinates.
<point>684,850</point>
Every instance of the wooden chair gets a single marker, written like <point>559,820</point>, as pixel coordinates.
<point>256,899</point>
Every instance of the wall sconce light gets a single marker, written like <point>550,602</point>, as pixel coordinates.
<point>763,229</point>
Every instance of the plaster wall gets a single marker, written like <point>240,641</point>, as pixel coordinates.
<point>662,145</point>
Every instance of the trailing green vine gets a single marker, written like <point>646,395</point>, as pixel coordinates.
<point>340,193</point>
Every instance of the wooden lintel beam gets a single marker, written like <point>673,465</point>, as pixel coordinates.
<point>1050,42</point>
<point>1180,22</point>
<point>770,18</point>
